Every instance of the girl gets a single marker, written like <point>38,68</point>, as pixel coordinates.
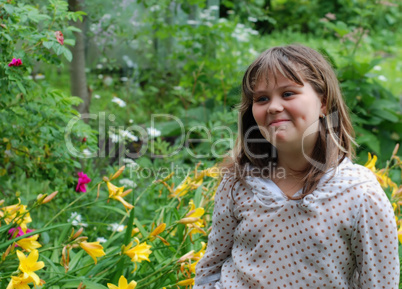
<point>294,211</point>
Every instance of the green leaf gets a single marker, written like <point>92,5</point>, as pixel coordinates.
<point>365,137</point>
<point>117,210</point>
<point>21,87</point>
<point>88,284</point>
<point>36,17</point>
<point>58,49</point>
<point>75,259</point>
<point>48,44</point>
<point>74,29</point>
<point>140,227</point>
<point>67,54</point>
<point>9,8</point>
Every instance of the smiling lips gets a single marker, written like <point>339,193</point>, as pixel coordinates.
<point>278,122</point>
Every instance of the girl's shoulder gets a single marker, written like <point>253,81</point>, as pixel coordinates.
<point>353,180</point>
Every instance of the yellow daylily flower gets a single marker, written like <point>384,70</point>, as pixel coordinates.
<point>18,214</point>
<point>29,244</point>
<point>195,213</point>
<point>186,282</point>
<point>20,282</point>
<point>400,235</point>
<point>370,164</point>
<point>197,257</point>
<point>138,253</point>
<point>382,176</point>
<point>28,265</point>
<point>191,256</point>
<point>123,284</point>
<point>94,249</point>
<point>185,186</point>
<point>212,172</point>
<point>155,234</point>
<point>117,193</point>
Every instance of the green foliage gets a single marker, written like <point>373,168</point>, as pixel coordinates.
<point>33,117</point>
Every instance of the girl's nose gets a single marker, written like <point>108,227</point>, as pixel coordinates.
<point>275,105</point>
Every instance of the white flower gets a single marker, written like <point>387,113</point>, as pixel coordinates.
<point>153,132</point>
<point>382,78</point>
<point>377,67</point>
<point>100,76</point>
<point>99,66</point>
<point>7,153</point>
<point>154,8</point>
<point>131,121</point>
<point>253,52</point>
<point>127,134</point>
<point>97,96</point>
<point>119,101</point>
<point>107,16</point>
<point>230,12</point>
<point>108,81</point>
<point>39,76</point>
<point>124,79</point>
<point>115,227</point>
<point>76,220</point>
<point>214,7</point>
<point>101,240</point>
<point>177,87</point>
<point>252,19</point>
<point>128,183</point>
<point>87,152</point>
<point>114,137</point>
<point>192,22</point>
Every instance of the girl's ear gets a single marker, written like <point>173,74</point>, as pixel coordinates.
<point>323,105</point>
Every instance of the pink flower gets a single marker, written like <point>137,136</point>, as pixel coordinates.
<point>82,181</point>
<point>15,62</point>
<point>59,37</point>
<point>19,234</point>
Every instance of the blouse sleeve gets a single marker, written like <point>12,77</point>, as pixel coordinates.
<point>220,240</point>
<point>375,241</point>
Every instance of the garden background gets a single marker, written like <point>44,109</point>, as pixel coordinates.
<point>114,114</point>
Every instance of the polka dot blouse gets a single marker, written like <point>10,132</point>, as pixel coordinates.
<point>343,235</point>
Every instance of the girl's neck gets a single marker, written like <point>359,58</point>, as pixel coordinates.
<point>292,162</point>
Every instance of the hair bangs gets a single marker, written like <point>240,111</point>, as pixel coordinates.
<point>267,67</point>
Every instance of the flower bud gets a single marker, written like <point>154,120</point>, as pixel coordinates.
<point>395,149</point>
<point>81,239</point>
<point>50,197</point>
<point>7,252</point>
<point>105,179</point>
<point>76,235</point>
<point>189,220</point>
<point>118,173</point>
<point>125,193</point>
<point>158,229</point>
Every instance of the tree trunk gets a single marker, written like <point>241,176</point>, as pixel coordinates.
<point>78,77</point>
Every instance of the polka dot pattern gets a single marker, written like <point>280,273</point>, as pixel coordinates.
<point>343,235</point>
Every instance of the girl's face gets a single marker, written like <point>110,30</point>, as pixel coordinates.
<point>285,110</point>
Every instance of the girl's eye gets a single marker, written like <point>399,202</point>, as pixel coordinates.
<point>287,94</point>
<point>261,99</point>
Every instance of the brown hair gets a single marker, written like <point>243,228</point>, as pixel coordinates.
<point>297,63</point>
